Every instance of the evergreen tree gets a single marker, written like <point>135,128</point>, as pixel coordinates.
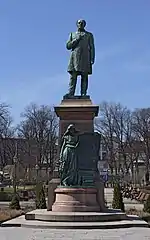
<point>40,197</point>
<point>117,198</point>
<point>14,204</point>
<point>147,205</point>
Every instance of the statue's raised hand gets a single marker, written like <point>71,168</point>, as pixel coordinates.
<point>79,37</point>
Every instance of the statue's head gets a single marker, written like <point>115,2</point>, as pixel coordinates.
<point>71,128</point>
<point>81,24</point>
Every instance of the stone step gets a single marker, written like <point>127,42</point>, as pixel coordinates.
<point>20,221</point>
<point>44,215</point>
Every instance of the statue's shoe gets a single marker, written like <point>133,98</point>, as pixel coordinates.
<point>68,95</point>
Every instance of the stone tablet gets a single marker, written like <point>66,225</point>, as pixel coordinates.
<point>88,151</point>
<point>88,156</point>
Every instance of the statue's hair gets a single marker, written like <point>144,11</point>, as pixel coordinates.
<point>71,126</point>
<point>82,21</point>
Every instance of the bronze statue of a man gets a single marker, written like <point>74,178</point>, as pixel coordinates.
<point>81,44</point>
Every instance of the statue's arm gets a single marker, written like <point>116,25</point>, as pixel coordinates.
<point>71,43</point>
<point>92,48</point>
<point>73,146</point>
<point>62,148</point>
<point>61,161</point>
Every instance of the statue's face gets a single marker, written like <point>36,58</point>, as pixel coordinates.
<point>81,24</point>
<point>72,130</point>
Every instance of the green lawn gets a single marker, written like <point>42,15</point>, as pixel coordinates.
<point>32,187</point>
<point>11,189</point>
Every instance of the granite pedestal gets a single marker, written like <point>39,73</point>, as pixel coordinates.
<point>78,111</point>
<point>76,200</point>
<point>51,192</point>
<point>81,112</point>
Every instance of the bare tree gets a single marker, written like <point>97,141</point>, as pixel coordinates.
<point>39,127</point>
<point>6,129</point>
<point>6,133</point>
<point>123,133</point>
<point>105,125</point>
<point>115,124</point>
<point>141,125</point>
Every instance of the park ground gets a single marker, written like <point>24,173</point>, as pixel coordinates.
<point>53,234</point>
<point>108,196</point>
<point>15,233</point>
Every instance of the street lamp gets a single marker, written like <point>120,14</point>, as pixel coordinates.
<point>37,172</point>
<point>15,160</point>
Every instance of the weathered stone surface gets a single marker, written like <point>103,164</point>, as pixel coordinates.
<point>51,192</point>
<point>76,200</point>
<point>80,112</point>
<point>100,195</point>
<point>20,221</point>
<point>43,215</point>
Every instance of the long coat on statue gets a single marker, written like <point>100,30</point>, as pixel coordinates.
<point>82,52</point>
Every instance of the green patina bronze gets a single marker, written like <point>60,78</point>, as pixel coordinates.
<point>81,44</point>
<point>68,167</point>
<point>78,158</point>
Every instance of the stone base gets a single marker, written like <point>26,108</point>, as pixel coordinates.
<point>98,221</point>
<point>77,97</point>
<point>49,216</point>
<point>77,111</point>
<point>76,200</point>
<point>53,184</point>
<point>51,192</point>
<point>100,195</point>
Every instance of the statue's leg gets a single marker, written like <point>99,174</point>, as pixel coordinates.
<point>72,83</point>
<point>84,84</point>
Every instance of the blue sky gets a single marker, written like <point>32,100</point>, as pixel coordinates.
<point>33,57</point>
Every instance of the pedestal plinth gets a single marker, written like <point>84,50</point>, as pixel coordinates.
<point>79,111</point>
<point>76,200</point>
